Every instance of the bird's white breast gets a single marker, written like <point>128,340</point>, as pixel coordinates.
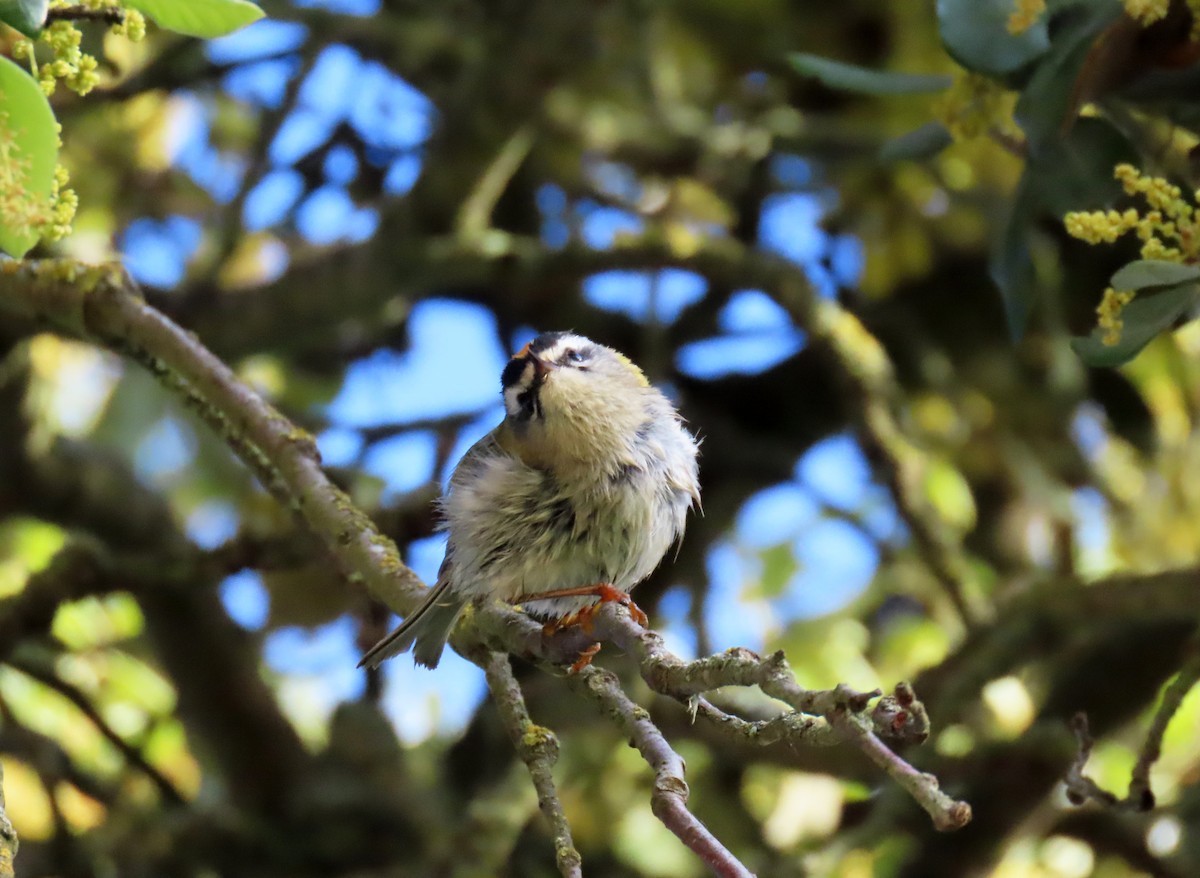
<point>516,530</point>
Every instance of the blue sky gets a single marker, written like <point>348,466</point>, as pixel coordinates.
<point>835,560</point>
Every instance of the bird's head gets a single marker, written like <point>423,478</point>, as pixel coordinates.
<point>571,400</point>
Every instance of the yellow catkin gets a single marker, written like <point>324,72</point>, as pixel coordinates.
<point>1168,228</point>
<point>1108,314</point>
<point>974,105</point>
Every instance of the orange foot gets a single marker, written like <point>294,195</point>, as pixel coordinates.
<point>602,590</point>
<point>606,594</point>
<point>585,659</point>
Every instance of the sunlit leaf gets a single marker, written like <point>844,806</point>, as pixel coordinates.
<point>35,542</point>
<point>80,812</point>
<point>47,711</point>
<point>950,495</point>
<point>911,644</point>
<point>126,677</point>
<point>199,18</point>
<point>34,818</point>
<point>863,80</point>
<point>829,648</point>
<point>28,155</point>
<point>96,621</point>
<point>779,566</point>
<point>167,748</point>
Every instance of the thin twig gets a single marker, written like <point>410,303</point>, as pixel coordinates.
<point>109,14</point>
<point>475,216</point>
<point>132,755</point>
<point>668,801</point>
<point>52,761</point>
<point>899,716</point>
<point>538,749</point>
<point>229,225</point>
<point>1140,797</point>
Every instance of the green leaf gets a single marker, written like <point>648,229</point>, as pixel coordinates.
<point>921,143</point>
<point>950,495</point>
<point>199,18</point>
<point>975,33</point>
<point>1145,273</point>
<point>1078,171</point>
<point>1144,318</point>
<point>27,16</point>
<point>863,80</point>
<point>1011,265</point>
<point>779,566</point>
<point>1064,175</point>
<point>29,153</point>
<point>1049,96</point>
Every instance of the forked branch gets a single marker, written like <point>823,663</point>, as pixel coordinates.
<point>103,305</point>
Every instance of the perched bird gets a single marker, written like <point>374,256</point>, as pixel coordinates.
<point>574,497</point>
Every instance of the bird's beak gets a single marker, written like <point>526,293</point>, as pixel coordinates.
<point>541,368</point>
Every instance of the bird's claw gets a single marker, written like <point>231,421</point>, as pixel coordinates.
<point>608,594</point>
<point>585,659</point>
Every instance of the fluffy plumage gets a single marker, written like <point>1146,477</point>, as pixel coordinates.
<point>587,480</point>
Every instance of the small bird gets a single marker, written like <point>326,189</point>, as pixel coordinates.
<point>574,497</point>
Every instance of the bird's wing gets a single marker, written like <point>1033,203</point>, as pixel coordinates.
<point>497,443</point>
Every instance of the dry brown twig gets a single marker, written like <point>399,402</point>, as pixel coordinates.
<point>1140,797</point>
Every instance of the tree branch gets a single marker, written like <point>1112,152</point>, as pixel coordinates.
<point>668,801</point>
<point>538,749</point>
<point>108,14</point>
<point>899,716</point>
<point>8,836</point>
<point>103,304</point>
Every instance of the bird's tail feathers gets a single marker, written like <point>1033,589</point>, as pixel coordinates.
<point>425,630</point>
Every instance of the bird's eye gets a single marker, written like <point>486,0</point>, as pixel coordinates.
<point>571,355</point>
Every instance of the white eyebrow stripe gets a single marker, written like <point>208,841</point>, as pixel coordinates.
<point>556,350</point>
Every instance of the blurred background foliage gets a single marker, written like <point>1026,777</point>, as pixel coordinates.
<point>364,205</point>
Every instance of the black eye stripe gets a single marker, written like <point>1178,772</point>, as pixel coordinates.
<point>512,372</point>
<point>529,406</point>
